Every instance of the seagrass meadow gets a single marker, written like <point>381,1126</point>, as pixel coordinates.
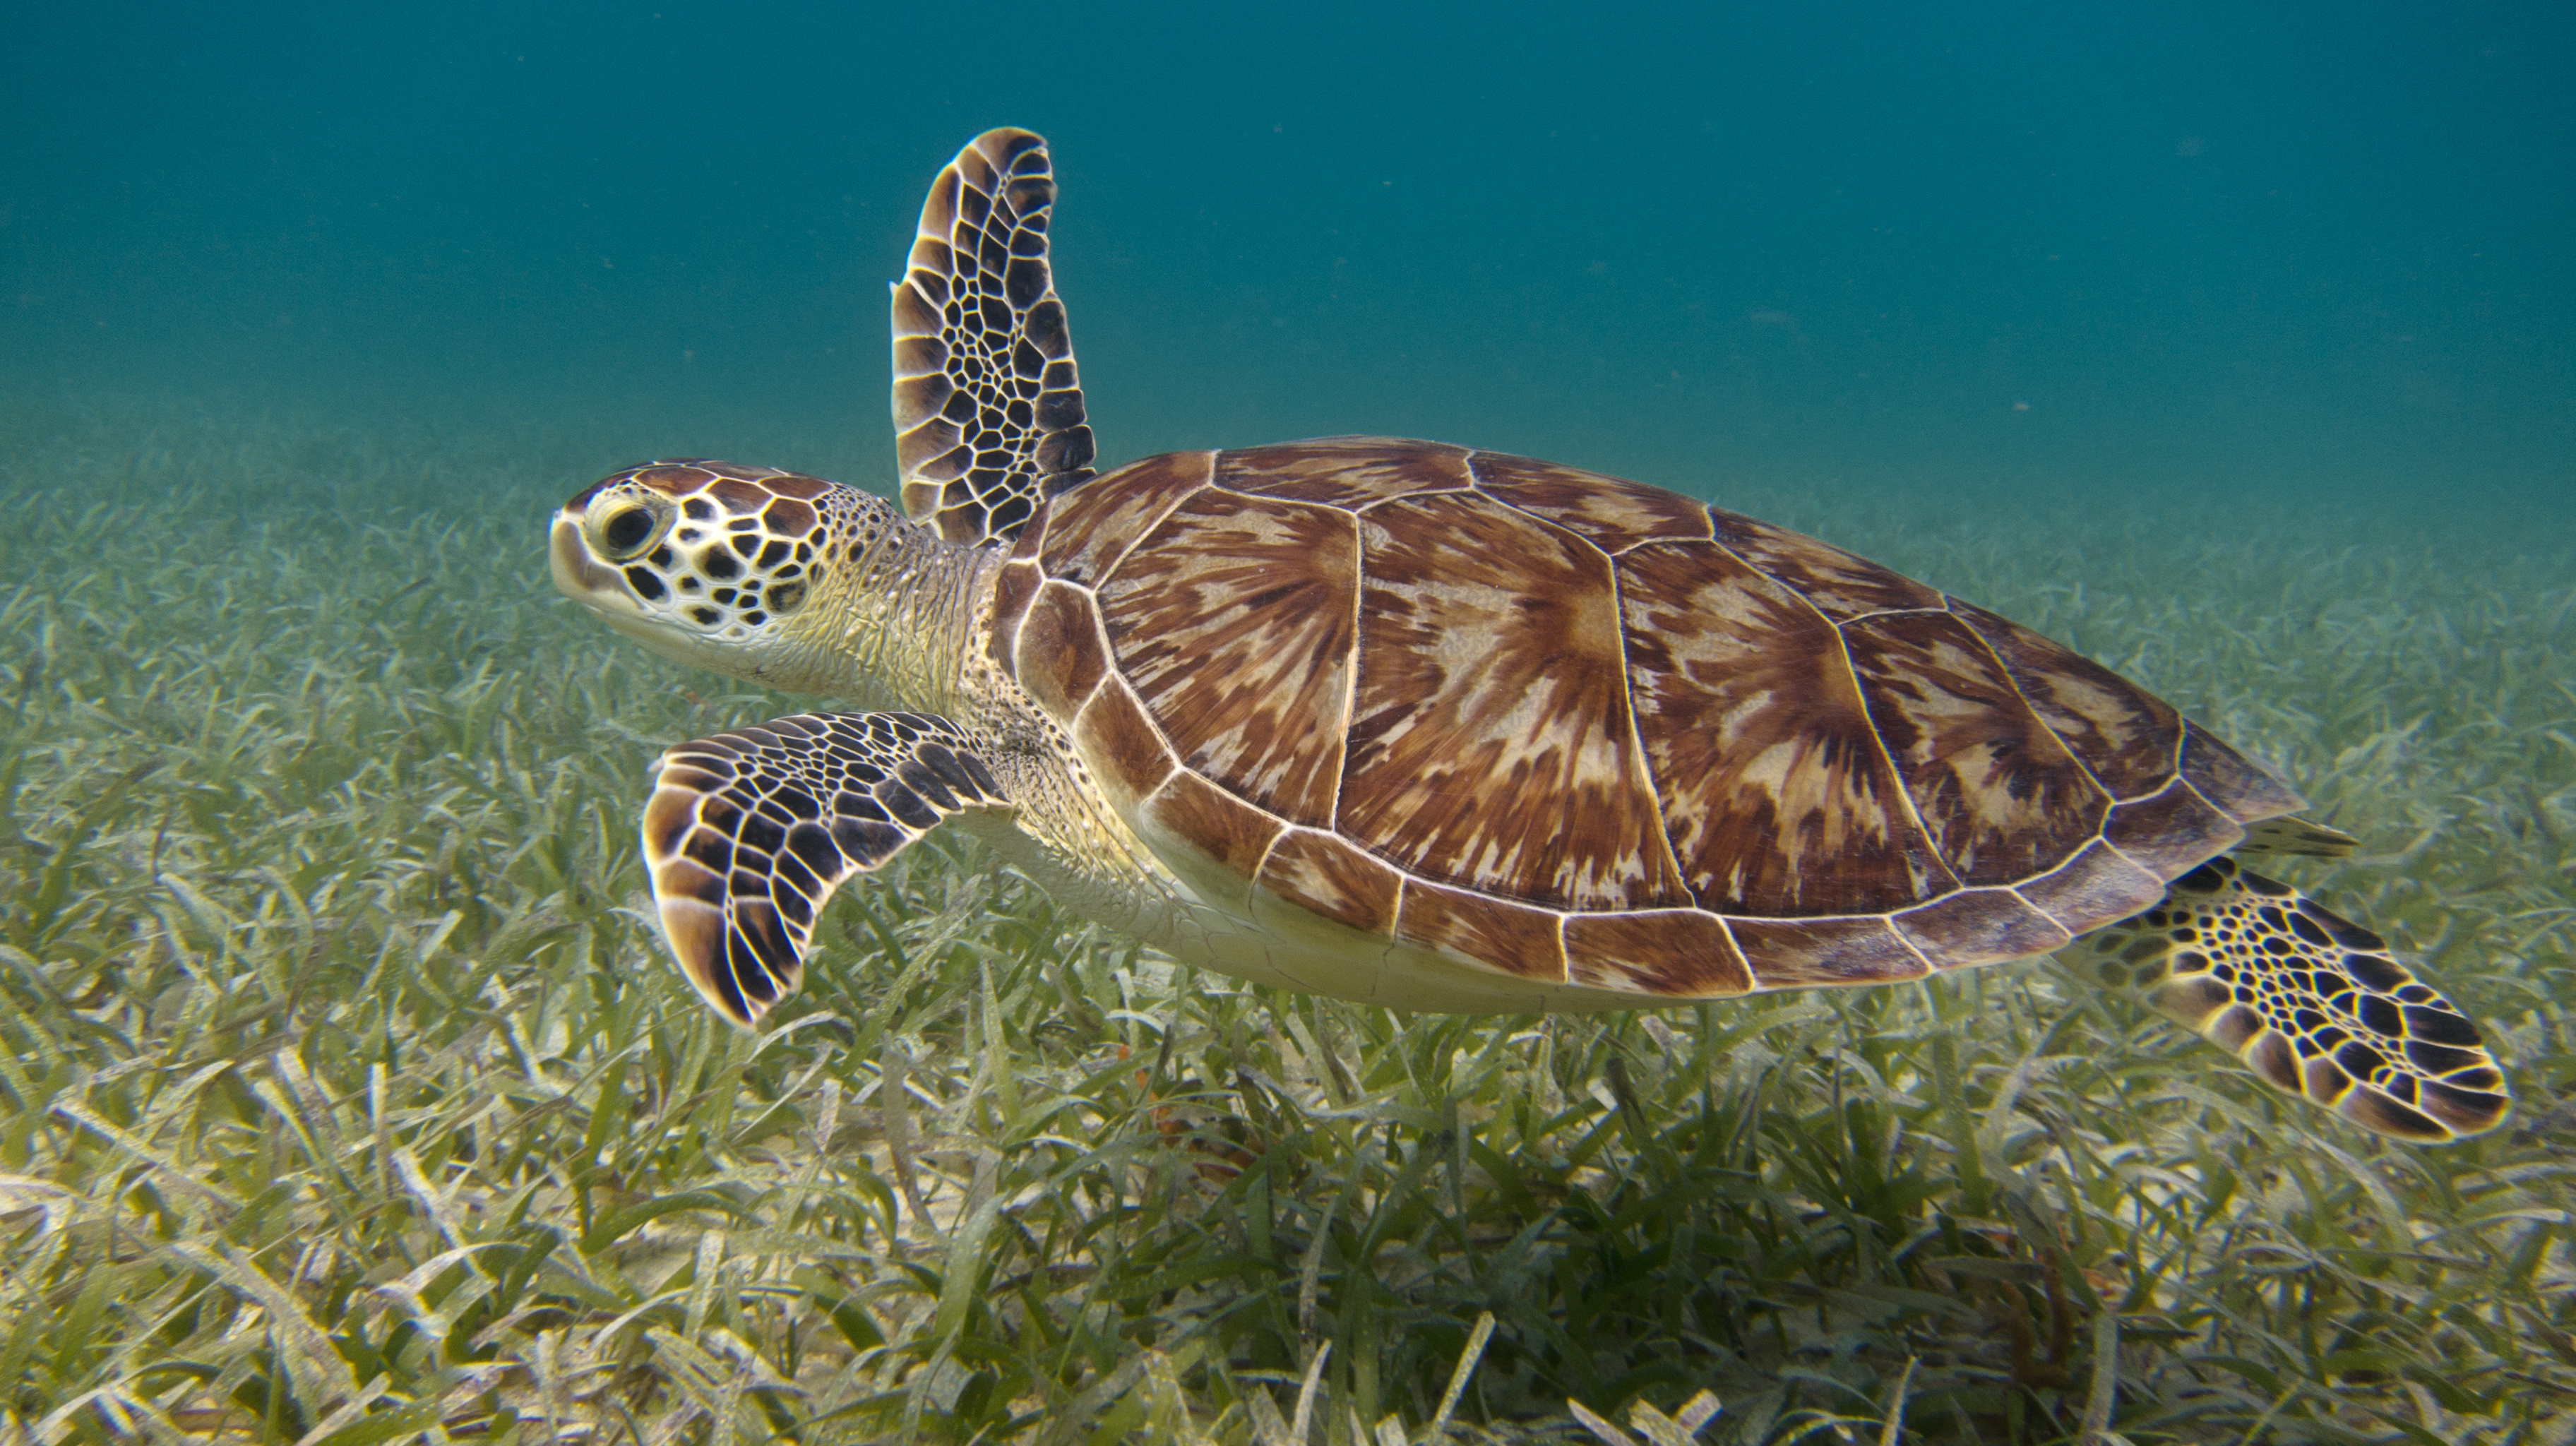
<point>347,1097</point>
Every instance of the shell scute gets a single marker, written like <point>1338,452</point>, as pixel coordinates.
<point>2125,735</point>
<point>1349,472</point>
<point>1091,528</point>
<point>2003,797</point>
<point>2172,829</point>
<point>1571,729</point>
<point>1490,742</point>
<point>2100,885</point>
<point>1611,514</point>
<point>1776,795</point>
<point>2242,790</point>
<point>1014,587</point>
<point>1483,931</point>
<point>1232,834</point>
<point>1061,657</point>
<point>1841,585</point>
<point>1674,954</point>
<point>1979,926</point>
<point>1820,953</point>
<point>1235,625</point>
<point>1327,874</point>
<point>1128,757</point>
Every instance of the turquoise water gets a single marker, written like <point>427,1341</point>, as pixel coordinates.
<point>2321,252</point>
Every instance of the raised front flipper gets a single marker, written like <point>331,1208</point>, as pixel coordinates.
<point>987,404</point>
<point>748,832</point>
<point>2315,1004</point>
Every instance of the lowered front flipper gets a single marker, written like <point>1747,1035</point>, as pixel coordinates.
<point>2315,1004</point>
<point>748,832</point>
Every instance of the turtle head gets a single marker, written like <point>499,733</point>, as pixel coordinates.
<point>722,567</point>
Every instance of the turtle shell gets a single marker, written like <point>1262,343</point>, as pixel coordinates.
<point>1579,730</point>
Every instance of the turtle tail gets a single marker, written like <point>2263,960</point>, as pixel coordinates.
<point>2314,1004</point>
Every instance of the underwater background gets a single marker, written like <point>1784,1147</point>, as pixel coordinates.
<point>2318,253</point>
<point>347,1096</point>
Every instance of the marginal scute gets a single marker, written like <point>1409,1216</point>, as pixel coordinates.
<point>1031,541</point>
<point>1610,513</point>
<point>1486,932</point>
<point>1840,584</point>
<point>2238,788</point>
<point>1327,874</point>
<point>1232,834</point>
<point>1775,795</point>
<point>1349,472</point>
<point>1979,926</point>
<point>1663,953</point>
<point>1489,742</point>
<point>2123,734</point>
<point>1233,620</point>
<point>1013,589</point>
<point>1822,953</point>
<point>1092,527</point>
<point>2098,886</point>
<point>1129,758</point>
<point>2171,831</point>
<point>1061,658</point>
<point>2002,796</point>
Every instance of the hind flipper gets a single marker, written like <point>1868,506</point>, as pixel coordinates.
<point>2314,1004</point>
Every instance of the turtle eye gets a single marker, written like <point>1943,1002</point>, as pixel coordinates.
<point>631,530</point>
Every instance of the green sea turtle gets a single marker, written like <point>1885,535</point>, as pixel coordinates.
<point>1433,727</point>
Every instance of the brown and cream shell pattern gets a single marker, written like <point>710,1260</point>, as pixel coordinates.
<point>1574,729</point>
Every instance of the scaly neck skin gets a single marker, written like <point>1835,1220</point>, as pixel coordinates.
<point>891,620</point>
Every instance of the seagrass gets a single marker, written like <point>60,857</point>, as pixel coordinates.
<point>326,961</point>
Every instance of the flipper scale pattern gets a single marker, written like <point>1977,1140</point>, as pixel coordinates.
<point>988,411</point>
<point>2315,1004</point>
<point>748,832</point>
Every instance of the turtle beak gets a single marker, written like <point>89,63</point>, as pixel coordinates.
<point>580,576</point>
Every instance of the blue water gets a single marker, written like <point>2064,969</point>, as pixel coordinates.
<point>2321,252</point>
